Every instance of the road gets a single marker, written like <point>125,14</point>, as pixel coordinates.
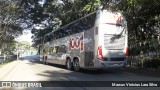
<point>30,70</point>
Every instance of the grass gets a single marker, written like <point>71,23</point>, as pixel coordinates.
<point>2,64</point>
<point>5,62</point>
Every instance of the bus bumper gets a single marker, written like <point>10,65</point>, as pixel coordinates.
<point>110,64</point>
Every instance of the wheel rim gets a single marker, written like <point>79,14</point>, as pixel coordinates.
<point>76,65</point>
<point>46,62</point>
<point>68,64</point>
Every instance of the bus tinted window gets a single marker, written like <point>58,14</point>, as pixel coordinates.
<point>76,27</point>
<point>91,20</point>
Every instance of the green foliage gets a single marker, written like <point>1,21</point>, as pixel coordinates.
<point>91,6</point>
<point>8,47</point>
<point>143,21</point>
<point>9,25</point>
<point>25,44</point>
<point>153,63</point>
<point>143,17</point>
<point>54,13</point>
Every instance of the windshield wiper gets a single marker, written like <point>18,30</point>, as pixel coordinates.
<point>117,36</point>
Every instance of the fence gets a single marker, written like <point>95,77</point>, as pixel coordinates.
<point>144,53</point>
<point>148,61</point>
<point>7,58</point>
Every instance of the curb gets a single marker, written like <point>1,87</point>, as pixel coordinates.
<point>8,68</point>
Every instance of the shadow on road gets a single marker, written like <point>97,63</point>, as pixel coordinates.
<point>128,71</point>
<point>84,71</point>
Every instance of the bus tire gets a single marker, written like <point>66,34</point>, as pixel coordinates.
<point>69,64</point>
<point>76,65</point>
<point>46,63</point>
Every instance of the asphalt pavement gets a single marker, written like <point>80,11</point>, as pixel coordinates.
<point>30,69</point>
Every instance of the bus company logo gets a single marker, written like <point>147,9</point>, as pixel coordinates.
<point>76,43</point>
<point>6,84</point>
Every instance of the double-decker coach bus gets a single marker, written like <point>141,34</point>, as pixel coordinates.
<point>95,41</point>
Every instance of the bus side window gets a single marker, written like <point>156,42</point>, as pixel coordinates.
<point>51,50</point>
<point>91,20</point>
<point>80,26</point>
<point>52,35</point>
<point>49,38</point>
<point>44,51</point>
<point>64,32</point>
<point>55,35</point>
<point>84,24</point>
<point>64,49</point>
<point>70,31</point>
<point>59,34</point>
<point>77,24</point>
<point>57,48</point>
<point>67,31</point>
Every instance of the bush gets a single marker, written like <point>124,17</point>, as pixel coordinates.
<point>152,63</point>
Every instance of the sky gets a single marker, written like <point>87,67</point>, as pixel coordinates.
<point>27,33</point>
<point>25,37</point>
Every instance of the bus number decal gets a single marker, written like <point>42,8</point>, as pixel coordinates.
<point>81,43</point>
<point>76,43</point>
<point>71,44</point>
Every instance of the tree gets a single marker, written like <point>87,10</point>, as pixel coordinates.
<point>54,13</point>
<point>143,19</point>
<point>142,15</point>
<point>10,26</point>
<point>25,44</point>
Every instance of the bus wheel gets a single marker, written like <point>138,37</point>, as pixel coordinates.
<point>69,64</point>
<point>76,65</point>
<point>45,60</point>
<point>46,63</point>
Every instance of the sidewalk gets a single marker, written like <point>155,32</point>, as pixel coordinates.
<point>151,72</point>
<point>7,68</point>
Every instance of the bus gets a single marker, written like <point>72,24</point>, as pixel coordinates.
<point>98,40</point>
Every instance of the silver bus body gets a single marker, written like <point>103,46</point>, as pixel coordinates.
<point>101,45</point>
